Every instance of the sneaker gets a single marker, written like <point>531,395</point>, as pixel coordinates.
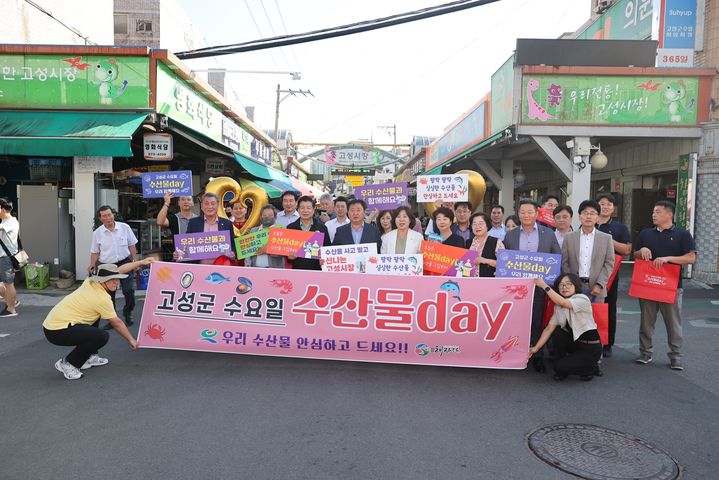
<point>95,360</point>
<point>7,313</point>
<point>70,372</point>
<point>675,364</point>
<point>643,359</point>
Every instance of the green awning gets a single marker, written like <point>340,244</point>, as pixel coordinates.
<point>272,192</point>
<point>68,134</point>
<point>260,170</point>
<point>438,169</point>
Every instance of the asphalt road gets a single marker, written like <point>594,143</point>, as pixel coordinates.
<point>188,415</point>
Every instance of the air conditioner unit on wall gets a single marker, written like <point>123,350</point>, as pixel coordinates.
<point>603,6</point>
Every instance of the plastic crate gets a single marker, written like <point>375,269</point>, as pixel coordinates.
<point>37,276</point>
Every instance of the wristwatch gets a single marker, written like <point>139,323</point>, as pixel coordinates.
<point>547,288</point>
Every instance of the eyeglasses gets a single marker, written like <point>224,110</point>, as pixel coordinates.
<point>566,285</point>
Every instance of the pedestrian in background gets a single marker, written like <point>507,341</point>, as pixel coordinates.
<point>9,235</point>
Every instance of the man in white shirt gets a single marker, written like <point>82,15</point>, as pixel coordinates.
<point>589,253</point>
<point>289,209</point>
<point>114,242</point>
<point>9,233</point>
<point>498,229</point>
<point>340,219</point>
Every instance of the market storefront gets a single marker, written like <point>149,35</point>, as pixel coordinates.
<point>79,126</point>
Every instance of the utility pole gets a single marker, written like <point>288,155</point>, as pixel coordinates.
<point>394,133</point>
<point>289,93</point>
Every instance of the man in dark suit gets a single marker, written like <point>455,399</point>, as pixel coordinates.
<point>357,231</point>
<point>209,221</point>
<point>532,237</point>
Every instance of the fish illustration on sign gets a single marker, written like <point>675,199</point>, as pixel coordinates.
<point>451,287</point>
<point>216,278</point>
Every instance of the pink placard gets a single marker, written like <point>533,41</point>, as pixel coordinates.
<point>464,322</point>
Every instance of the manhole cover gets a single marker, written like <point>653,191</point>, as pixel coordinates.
<point>598,453</point>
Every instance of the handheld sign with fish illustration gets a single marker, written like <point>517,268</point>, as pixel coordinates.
<point>518,264</point>
<point>448,260</point>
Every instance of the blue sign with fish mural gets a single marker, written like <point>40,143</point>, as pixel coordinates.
<point>518,264</point>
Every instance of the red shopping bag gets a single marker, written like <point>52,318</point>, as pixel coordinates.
<point>600,312</point>
<point>654,283</point>
<point>613,276</point>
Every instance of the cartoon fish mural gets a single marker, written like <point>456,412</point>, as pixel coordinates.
<point>451,287</point>
<point>216,278</point>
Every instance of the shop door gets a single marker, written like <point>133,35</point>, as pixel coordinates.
<point>642,206</point>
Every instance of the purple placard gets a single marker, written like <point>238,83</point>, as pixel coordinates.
<point>464,267</point>
<point>386,196</point>
<point>156,184</point>
<point>203,245</point>
<point>518,264</point>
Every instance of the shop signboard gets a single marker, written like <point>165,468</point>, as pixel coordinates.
<point>157,146</point>
<point>354,156</point>
<point>625,20</point>
<point>502,100</point>
<point>157,184</point>
<point>609,100</point>
<point>354,180</point>
<point>178,100</point>
<point>92,165</point>
<point>682,192</point>
<point>677,28</point>
<point>466,132</point>
<point>74,82</point>
<point>236,137</point>
<point>215,166</point>
<point>352,171</point>
<point>261,151</point>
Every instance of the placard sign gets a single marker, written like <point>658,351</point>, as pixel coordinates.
<point>203,245</point>
<point>347,258</point>
<point>247,245</point>
<point>156,184</point>
<point>451,188</point>
<point>448,260</point>
<point>284,241</point>
<point>395,264</point>
<point>518,264</point>
<point>386,196</point>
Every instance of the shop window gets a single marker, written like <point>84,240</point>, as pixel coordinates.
<point>144,26</point>
<point>120,22</point>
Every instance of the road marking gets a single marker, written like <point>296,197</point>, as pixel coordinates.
<point>3,335</point>
<point>714,302</point>
<point>704,323</point>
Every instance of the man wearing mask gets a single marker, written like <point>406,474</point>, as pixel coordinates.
<point>262,259</point>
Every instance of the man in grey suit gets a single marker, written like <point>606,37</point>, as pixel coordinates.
<point>532,237</point>
<point>589,253</point>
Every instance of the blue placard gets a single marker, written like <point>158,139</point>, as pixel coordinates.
<point>156,184</point>
<point>516,264</point>
<point>680,18</point>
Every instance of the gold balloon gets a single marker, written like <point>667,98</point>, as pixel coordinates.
<point>221,186</point>
<point>477,189</point>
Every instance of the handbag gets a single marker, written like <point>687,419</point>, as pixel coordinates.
<point>655,283</point>
<point>20,258</point>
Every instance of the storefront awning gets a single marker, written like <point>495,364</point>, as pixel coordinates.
<point>68,134</point>
<point>272,191</point>
<point>260,170</point>
<point>438,169</point>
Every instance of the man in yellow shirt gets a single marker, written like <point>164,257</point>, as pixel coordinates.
<point>74,321</point>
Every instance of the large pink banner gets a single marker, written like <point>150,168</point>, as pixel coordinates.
<point>464,322</point>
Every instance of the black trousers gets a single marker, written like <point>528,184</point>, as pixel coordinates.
<point>574,358</point>
<point>128,291</point>
<point>537,317</point>
<point>611,301</point>
<point>87,340</point>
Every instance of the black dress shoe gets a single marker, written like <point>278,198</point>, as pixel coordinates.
<point>538,365</point>
<point>607,351</point>
<point>586,378</point>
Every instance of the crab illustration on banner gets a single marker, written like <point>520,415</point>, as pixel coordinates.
<point>459,322</point>
<point>477,189</point>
